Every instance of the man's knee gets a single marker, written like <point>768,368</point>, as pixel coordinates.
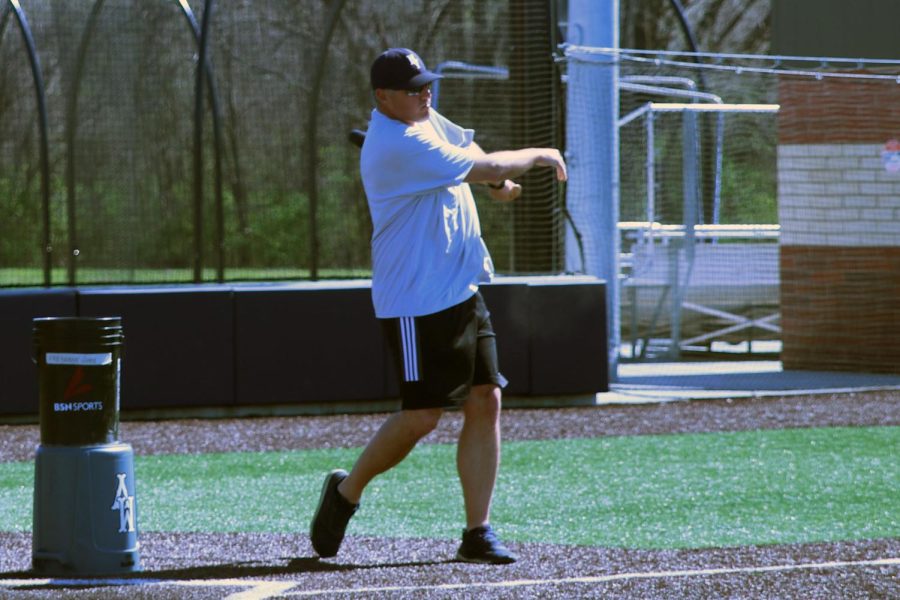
<point>483,402</point>
<point>421,422</point>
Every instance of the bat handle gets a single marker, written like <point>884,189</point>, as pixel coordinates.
<point>357,137</point>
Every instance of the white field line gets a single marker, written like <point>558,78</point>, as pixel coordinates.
<point>261,590</point>
<point>601,578</point>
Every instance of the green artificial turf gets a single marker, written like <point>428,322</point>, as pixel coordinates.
<point>661,491</point>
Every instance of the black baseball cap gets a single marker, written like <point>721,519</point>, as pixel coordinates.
<point>400,69</point>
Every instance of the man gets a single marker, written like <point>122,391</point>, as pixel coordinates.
<point>428,260</point>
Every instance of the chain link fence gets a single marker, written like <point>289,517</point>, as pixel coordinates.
<point>155,175</point>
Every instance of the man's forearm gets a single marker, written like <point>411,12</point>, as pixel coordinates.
<point>509,164</point>
<point>506,164</point>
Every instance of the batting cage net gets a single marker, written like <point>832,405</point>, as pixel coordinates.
<point>757,198</point>
<point>759,204</point>
<point>257,180</point>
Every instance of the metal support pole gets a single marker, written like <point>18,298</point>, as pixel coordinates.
<point>217,143</point>
<point>312,130</point>
<point>717,187</point>
<point>43,127</point>
<point>691,178</point>
<point>651,176</point>
<point>198,142</point>
<point>592,139</point>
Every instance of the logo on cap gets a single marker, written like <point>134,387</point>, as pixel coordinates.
<point>414,61</point>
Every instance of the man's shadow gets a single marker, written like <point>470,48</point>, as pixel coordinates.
<point>231,570</point>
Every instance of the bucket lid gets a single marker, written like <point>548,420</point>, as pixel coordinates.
<point>77,326</point>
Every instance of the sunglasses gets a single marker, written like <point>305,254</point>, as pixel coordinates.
<point>413,92</point>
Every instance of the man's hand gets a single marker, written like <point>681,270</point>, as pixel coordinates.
<point>509,192</point>
<point>552,158</point>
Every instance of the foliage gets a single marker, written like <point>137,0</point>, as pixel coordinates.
<point>734,26</point>
<point>748,195</point>
<point>123,120</point>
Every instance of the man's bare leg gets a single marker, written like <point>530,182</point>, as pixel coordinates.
<point>478,459</point>
<point>478,452</point>
<point>393,441</point>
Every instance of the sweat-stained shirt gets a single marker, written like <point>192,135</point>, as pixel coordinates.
<point>427,251</point>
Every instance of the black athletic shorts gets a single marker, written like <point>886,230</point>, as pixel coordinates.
<point>439,357</point>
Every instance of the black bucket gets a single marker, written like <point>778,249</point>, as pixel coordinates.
<point>79,362</point>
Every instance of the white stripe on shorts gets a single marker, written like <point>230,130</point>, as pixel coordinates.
<point>408,345</point>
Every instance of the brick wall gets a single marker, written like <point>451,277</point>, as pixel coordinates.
<point>839,308</point>
<point>837,195</point>
<point>839,209</point>
<point>845,111</point>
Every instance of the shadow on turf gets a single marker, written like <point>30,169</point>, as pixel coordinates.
<point>312,564</point>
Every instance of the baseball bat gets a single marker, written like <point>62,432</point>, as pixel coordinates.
<point>357,137</point>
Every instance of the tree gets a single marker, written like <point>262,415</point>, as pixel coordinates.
<point>730,26</point>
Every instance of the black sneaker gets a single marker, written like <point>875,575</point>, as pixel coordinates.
<point>481,545</point>
<point>332,515</point>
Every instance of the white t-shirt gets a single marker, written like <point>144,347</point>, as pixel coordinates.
<point>427,251</point>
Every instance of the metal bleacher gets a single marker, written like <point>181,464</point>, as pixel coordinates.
<point>684,292</point>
